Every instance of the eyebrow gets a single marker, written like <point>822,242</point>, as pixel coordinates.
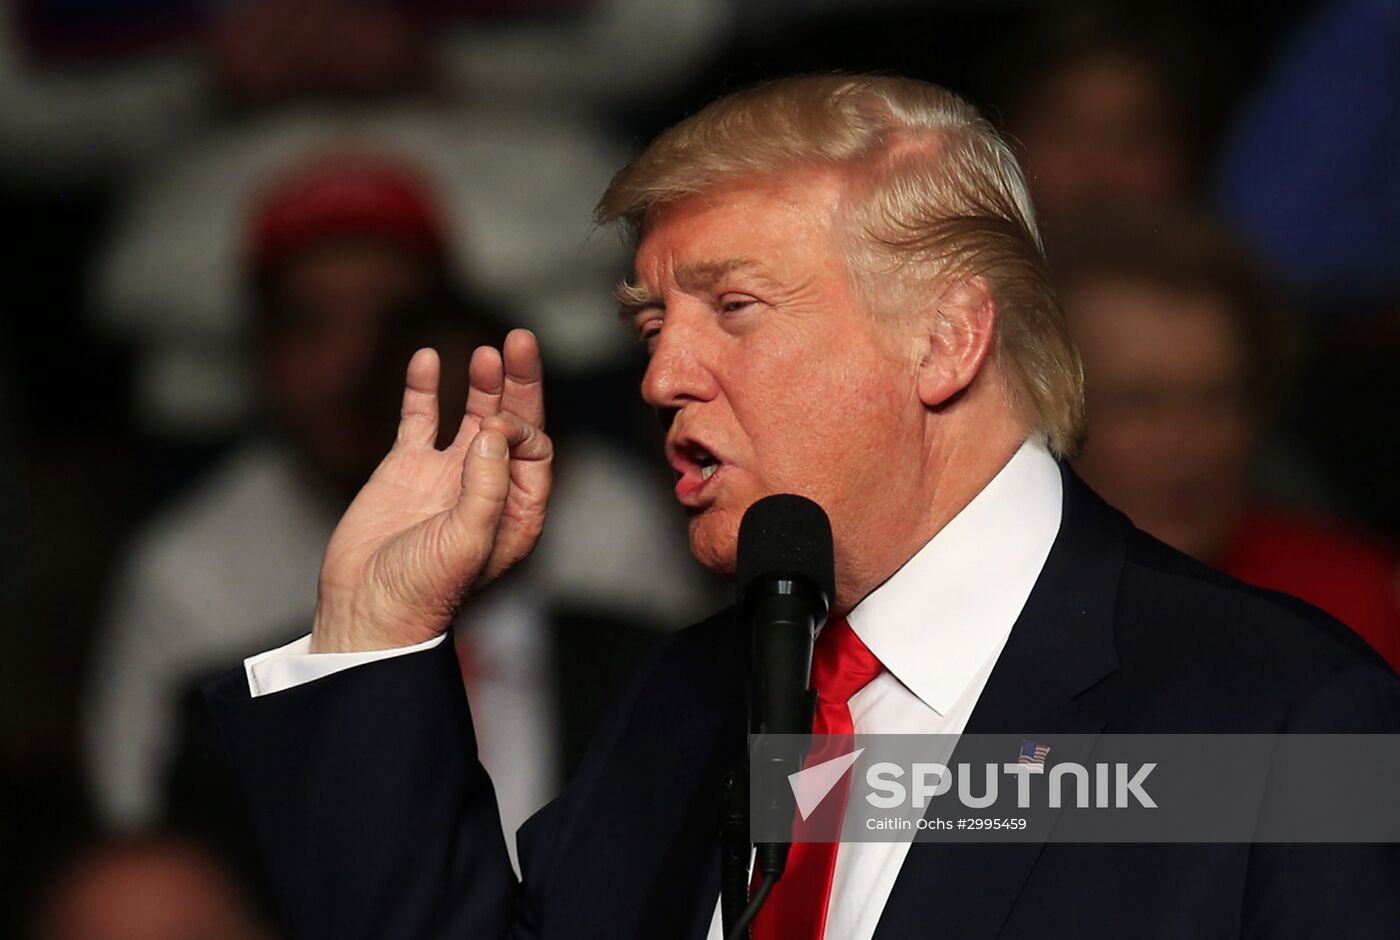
<point>633,298</point>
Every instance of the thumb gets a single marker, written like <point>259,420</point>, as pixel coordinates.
<point>485,485</point>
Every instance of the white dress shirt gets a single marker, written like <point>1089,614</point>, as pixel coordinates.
<point>937,625</point>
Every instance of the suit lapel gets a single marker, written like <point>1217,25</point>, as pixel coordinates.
<point>1061,645</point>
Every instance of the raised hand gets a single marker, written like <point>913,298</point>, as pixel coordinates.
<point>431,525</point>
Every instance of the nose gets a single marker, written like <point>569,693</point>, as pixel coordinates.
<point>679,372</point>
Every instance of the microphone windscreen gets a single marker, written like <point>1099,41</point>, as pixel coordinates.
<point>786,536</point>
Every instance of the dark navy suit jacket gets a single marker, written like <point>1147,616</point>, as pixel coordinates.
<point>377,821</point>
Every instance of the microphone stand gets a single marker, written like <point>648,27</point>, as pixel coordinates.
<point>735,848</point>
<point>737,908</point>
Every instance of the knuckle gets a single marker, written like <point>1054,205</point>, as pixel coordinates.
<point>498,422</point>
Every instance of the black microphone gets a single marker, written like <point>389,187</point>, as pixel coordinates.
<point>786,578</point>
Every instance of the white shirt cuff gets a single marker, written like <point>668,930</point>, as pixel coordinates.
<point>295,664</point>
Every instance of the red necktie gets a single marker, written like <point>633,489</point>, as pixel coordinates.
<point>796,910</point>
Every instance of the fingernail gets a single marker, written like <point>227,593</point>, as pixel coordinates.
<point>491,444</point>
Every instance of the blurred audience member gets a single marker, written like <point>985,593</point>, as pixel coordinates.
<point>151,889</point>
<point>336,249</point>
<point>266,51</point>
<point>84,121</point>
<point>1308,172</point>
<point>1186,351</point>
<point>501,105</point>
<point>91,90</point>
<point>582,54</point>
<point>1326,213</point>
<point>1111,103</point>
<point>515,194</point>
<point>347,263</point>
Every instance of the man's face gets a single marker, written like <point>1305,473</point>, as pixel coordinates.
<point>161,892</point>
<point>332,350</point>
<point>1098,133</point>
<point>772,376</point>
<point>1170,425</point>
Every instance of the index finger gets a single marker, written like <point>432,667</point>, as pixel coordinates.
<point>524,380</point>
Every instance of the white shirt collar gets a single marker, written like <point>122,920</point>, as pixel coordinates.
<point>948,611</point>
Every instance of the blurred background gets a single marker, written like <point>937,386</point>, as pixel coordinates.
<point>231,220</point>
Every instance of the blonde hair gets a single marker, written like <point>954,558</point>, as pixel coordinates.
<point>941,195</point>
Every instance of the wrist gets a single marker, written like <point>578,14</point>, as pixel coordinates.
<point>344,624</point>
<point>337,627</point>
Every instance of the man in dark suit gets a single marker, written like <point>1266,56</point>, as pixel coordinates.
<point>840,286</point>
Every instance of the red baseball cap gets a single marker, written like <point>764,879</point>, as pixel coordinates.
<point>332,197</point>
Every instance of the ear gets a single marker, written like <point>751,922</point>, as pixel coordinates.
<point>960,328</point>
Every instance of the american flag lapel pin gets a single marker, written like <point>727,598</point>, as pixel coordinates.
<point>1033,754</point>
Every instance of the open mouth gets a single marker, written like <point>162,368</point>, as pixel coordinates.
<point>695,467</point>
<point>708,462</point>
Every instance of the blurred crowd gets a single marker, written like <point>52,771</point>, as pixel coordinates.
<point>231,222</point>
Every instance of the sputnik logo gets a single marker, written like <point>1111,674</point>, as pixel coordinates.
<point>810,785</point>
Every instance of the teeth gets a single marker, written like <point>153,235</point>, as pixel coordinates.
<point>708,471</point>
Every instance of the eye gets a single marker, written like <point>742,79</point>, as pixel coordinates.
<point>646,323</point>
<point>733,303</point>
<point>648,331</point>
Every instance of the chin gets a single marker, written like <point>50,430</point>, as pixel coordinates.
<point>714,541</point>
